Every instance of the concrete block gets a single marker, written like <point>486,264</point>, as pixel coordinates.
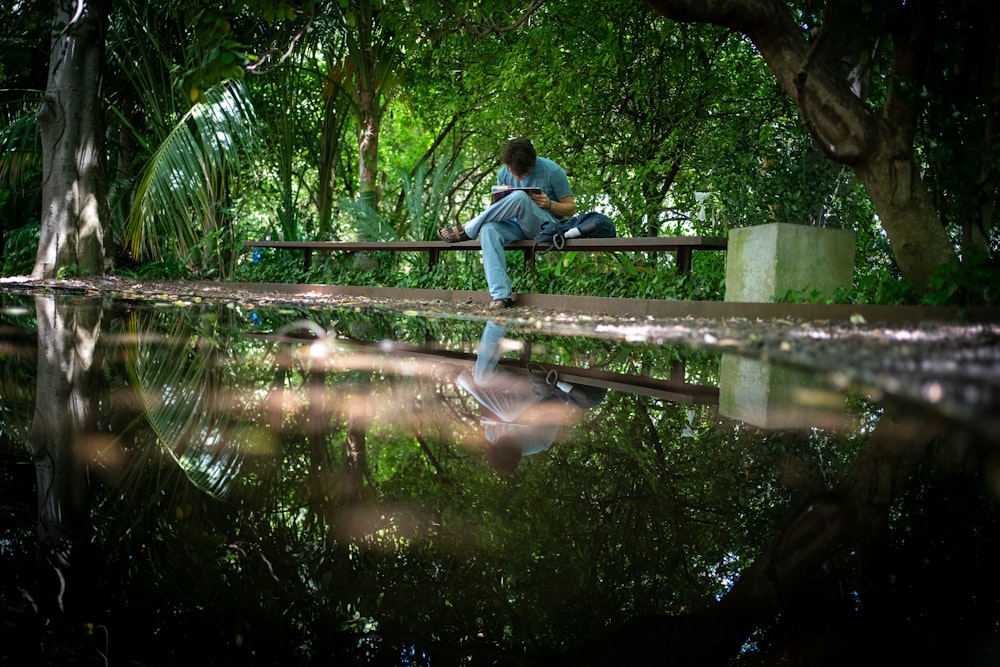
<point>774,396</point>
<point>766,261</point>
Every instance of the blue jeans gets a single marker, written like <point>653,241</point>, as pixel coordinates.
<point>515,217</point>
<point>489,353</point>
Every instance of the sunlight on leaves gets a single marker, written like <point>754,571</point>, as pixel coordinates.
<point>182,194</point>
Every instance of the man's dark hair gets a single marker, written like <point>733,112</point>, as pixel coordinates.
<point>519,156</point>
<point>504,454</point>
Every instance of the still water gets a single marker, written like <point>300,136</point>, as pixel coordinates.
<point>211,484</point>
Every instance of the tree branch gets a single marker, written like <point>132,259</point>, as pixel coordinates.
<point>476,31</point>
<point>841,124</point>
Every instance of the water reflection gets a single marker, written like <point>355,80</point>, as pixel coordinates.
<point>772,396</point>
<point>521,413</point>
<point>185,484</point>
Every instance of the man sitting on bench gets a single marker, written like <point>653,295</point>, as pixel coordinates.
<point>516,215</point>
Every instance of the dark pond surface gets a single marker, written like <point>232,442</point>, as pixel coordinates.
<point>214,484</point>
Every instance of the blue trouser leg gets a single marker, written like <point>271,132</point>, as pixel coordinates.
<point>517,207</point>
<point>488,356</point>
<point>493,236</point>
<point>513,218</point>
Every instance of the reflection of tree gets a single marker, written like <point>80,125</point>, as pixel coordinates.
<point>68,382</point>
<point>643,512</point>
<point>791,576</point>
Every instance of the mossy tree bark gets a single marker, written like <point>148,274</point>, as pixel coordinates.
<point>71,121</point>
<point>826,73</point>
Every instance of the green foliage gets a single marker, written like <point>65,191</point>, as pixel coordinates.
<point>803,296</point>
<point>955,136</point>
<point>215,53</point>
<point>168,268</point>
<point>20,184</point>
<point>182,196</point>
<point>20,148</point>
<point>880,287</point>
<point>426,207</point>
<point>670,128</point>
<point>635,275</point>
<point>974,281</point>
<point>648,275</point>
<point>20,248</point>
<point>370,226</point>
<point>70,271</point>
<point>270,266</point>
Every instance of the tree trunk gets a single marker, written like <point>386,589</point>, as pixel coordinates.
<point>366,66</point>
<point>71,120</point>
<point>368,147</point>
<point>878,147</point>
<point>905,208</point>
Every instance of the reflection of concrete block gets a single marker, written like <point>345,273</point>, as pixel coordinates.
<point>766,261</point>
<point>774,396</point>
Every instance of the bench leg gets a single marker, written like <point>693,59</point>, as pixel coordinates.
<point>307,260</point>
<point>529,259</point>
<point>433,256</point>
<point>683,261</point>
<point>678,374</point>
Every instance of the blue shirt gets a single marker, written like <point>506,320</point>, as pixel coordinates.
<point>546,174</point>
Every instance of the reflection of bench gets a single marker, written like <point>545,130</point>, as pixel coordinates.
<point>683,246</point>
<point>675,388</point>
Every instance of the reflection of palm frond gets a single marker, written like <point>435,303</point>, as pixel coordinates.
<point>183,186</point>
<point>175,382</point>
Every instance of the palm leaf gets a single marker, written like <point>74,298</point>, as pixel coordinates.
<point>426,208</point>
<point>20,150</point>
<point>182,189</point>
<point>367,222</point>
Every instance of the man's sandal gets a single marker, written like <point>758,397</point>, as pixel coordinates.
<point>453,234</point>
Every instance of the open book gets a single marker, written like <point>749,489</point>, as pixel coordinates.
<point>498,192</point>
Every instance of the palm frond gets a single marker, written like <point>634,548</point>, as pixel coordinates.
<point>426,207</point>
<point>413,196</point>
<point>367,222</point>
<point>182,188</point>
<point>20,150</point>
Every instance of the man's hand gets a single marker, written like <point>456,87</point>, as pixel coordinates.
<point>563,208</point>
<point>542,200</point>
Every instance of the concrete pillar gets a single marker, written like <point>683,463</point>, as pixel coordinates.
<point>765,262</point>
<point>774,396</point>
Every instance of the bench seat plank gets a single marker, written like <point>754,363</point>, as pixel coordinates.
<point>682,245</point>
<point>612,244</point>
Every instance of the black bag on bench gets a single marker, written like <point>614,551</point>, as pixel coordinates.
<point>588,225</point>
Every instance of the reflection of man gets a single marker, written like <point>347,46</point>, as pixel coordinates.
<point>521,413</point>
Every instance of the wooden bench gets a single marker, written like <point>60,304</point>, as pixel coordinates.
<point>683,246</point>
